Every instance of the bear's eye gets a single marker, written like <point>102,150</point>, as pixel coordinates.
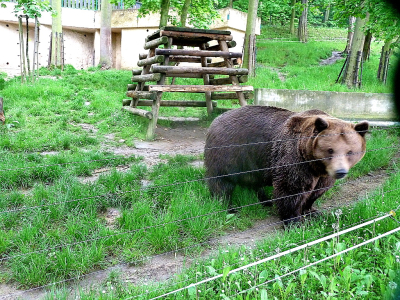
<point>330,151</point>
<point>350,153</point>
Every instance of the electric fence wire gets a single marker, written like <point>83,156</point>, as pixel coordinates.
<point>79,277</point>
<point>205,149</point>
<point>130,232</point>
<point>177,220</point>
<point>152,187</point>
<point>290,251</point>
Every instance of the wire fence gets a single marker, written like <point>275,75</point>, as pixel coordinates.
<point>108,238</point>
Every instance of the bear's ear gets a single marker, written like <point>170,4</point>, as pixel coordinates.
<point>320,124</point>
<point>362,128</point>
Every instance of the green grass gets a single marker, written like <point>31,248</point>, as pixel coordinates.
<point>53,226</point>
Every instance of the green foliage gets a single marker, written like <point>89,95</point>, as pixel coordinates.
<point>32,8</point>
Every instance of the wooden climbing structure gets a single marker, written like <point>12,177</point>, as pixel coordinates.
<point>208,55</point>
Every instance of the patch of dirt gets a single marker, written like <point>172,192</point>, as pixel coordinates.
<point>189,139</point>
<point>186,138</point>
<point>336,55</point>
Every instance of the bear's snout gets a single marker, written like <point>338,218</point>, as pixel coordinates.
<point>341,173</point>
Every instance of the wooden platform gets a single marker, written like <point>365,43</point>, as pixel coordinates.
<point>208,55</point>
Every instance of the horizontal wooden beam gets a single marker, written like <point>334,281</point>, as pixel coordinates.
<point>227,80</point>
<point>127,102</point>
<point>193,35</point>
<point>229,96</point>
<point>147,77</point>
<point>184,75</point>
<point>230,44</point>
<point>199,70</point>
<point>222,63</point>
<point>141,95</point>
<point>200,88</point>
<point>142,55</point>
<point>155,43</point>
<point>136,72</point>
<point>151,60</point>
<point>201,53</point>
<point>186,58</point>
<point>139,112</point>
<point>132,87</point>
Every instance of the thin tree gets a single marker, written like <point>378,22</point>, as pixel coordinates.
<point>249,39</point>
<point>105,35</point>
<point>302,30</point>
<point>350,77</point>
<point>292,16</point>
<point>164,12</point>
<point>350,33</point>
<point>184,12</point>
<point>56,35</point>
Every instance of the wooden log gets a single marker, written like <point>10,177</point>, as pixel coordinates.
<point>157,33</point>
<point>155,43</point>
<point>201,53</point>
<point>127,102</point>
<point>151,60</point>
<point>132,87</point>
<point>185,58</point>
<point>184,75</point>
<point>142,55</point>
<point>141,95</point>
<point>136,72</point>
<point>227,80</point>
<point>222,63</point>
<point>147,77</point>
<point>231,44</point>
<point>234,79</point>
<point>200,70</point>
<point>200,88</point>
<point>2,116</point>
<point>196,35</point>
<point>229,96</point>
<point>139,112</point>
<point>151,129</point>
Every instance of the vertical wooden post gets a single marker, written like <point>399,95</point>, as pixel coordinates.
<point>206,79</point>
<point>156,103</point>
<point>21,49</point>
<point>235,81</point>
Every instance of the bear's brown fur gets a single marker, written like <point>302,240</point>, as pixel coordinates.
<point>299,154</point>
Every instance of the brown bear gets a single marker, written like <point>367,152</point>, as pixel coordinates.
<point>299,154</point>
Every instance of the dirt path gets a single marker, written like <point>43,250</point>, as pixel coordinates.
<point>188,138</point>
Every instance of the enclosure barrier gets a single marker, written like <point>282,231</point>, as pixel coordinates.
<point>263,260</point>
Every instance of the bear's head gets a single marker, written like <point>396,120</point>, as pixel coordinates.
<point>337,144</point>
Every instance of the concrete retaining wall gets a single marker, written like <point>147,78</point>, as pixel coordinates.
<point>353,106</point>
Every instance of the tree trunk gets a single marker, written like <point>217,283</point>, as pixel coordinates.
<point>57,35</point>
<point>367,45</point>
<point>249,53</point>
<point>356,46</point>
<point>385,55</point>
<point>292,16</point>
<point>164,12</point>
<point>302,30</point>
<point>326,14</point>
<point>105,35</point>
<point>184,12</point>
<point>350,34</point>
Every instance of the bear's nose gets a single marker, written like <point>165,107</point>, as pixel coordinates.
<point>339,174</point>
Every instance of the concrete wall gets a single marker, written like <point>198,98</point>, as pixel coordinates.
<point>353,106</point>
<point>81,30</point>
